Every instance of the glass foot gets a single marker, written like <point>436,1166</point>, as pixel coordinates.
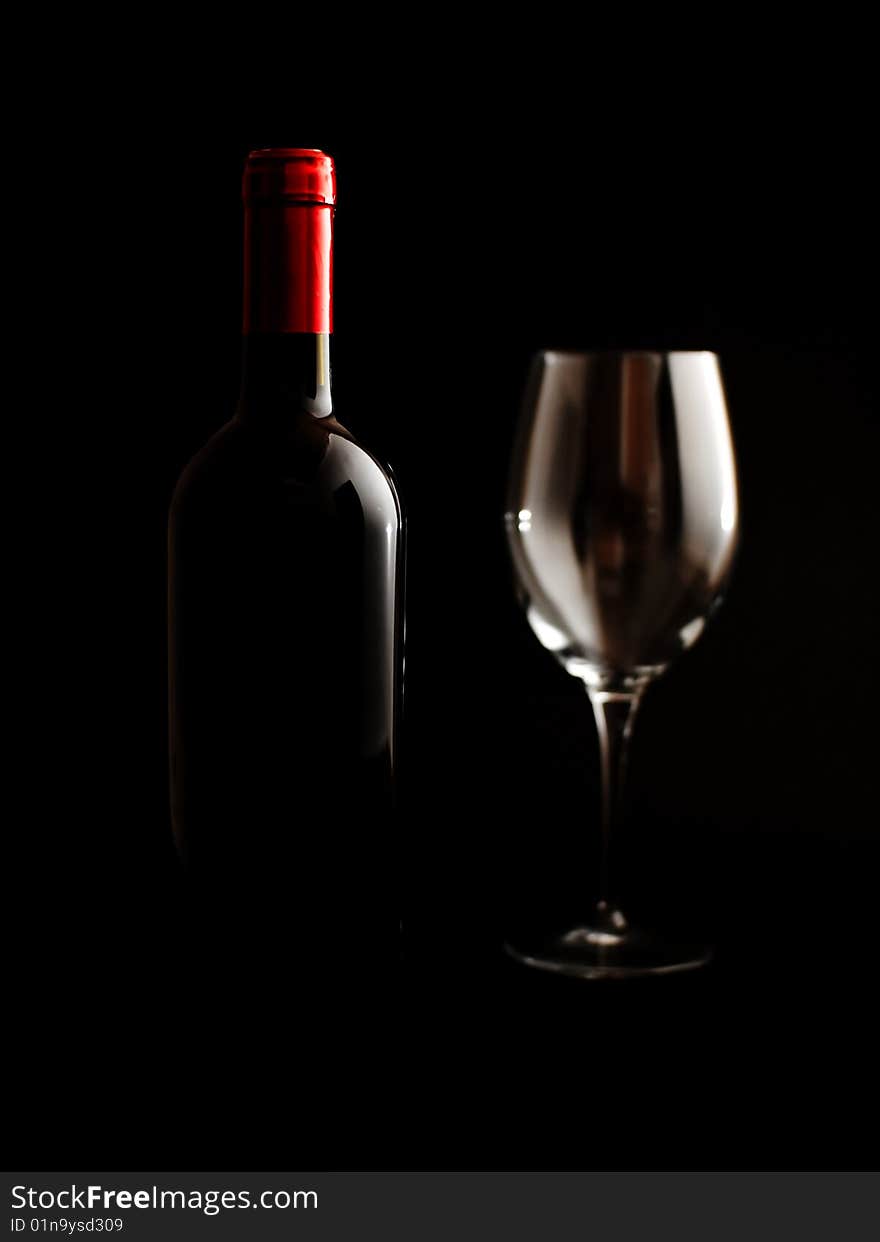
<point>609,947</point>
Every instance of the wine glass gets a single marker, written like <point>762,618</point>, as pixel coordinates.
<point>622,521</point>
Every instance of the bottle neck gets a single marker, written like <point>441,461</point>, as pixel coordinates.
<point>288,307</point>
<point>285,372</point>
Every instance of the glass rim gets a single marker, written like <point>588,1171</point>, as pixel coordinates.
<point>624,353</point>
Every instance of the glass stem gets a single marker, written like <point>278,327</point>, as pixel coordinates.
<point>614,714</point>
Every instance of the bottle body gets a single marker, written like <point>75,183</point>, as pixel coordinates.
<point>285,563</point>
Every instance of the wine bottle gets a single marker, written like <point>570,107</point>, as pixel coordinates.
<point>285,609</point>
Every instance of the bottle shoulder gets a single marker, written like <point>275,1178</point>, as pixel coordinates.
<point>246,460</point>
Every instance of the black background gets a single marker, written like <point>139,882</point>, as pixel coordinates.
<point>617,196</point>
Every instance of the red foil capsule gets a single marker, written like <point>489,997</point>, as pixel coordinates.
<point>289,196</point>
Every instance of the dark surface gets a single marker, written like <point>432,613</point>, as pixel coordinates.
<point>764,1060</point>
<point>754,774</point>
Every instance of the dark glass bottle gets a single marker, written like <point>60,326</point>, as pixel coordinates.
<point>285,613</point>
